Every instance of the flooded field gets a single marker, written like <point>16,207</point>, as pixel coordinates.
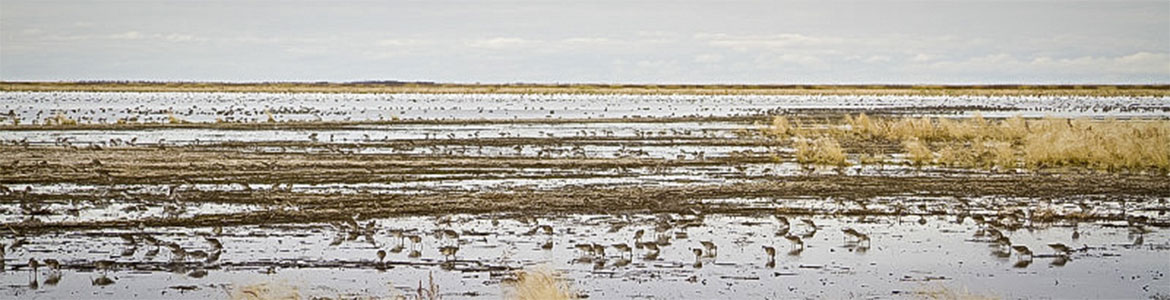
<point>196,195</point>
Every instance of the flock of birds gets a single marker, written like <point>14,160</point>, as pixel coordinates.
<point>190,261</point>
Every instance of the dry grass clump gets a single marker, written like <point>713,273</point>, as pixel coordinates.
<point>940,292</point>
<point>917,152</point>
<point>265,291</point>
<point>539,284</point>
<point>976,142</point>
<point>1106,145</point>
<point>822,151</point>
<point>171,118</point>
<point>60,119</point>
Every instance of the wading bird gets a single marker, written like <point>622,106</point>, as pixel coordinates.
<point>795,240</point>
<point>711,248</point>
<point>1022,251</point>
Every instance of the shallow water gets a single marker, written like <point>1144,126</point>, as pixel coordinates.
<point>928,248</point>
<point>903,256</point>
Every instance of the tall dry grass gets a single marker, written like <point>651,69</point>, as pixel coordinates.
<point>976,142</point>
<point>539,284</point>
<point>821,151</point>
<point>265,291</point>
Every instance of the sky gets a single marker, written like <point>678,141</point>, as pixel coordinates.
<point>630,41</point>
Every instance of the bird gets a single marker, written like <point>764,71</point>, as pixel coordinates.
<point>795,240</point>
<point>103,281</point>
<point>104,265</point>
<point>782,232</point>
<point>1023,250</point>
<point>624,248</point>
<point>854,233</point>
<point>771,252</point>
<point>783,220</point>
<point>449,251</point>
<point>214,243</point>
<point>584,248</point>
<point>698,256</point>
<point>398,234</point>
<point>381,255</point>
<point>638,235</point>
<point>810,223</point>
<point>53,264</point>
<point>33,264</point>
<point>598,250</point>
<point>711,248</point>
<point>1064,250</point>
<point>414,240</point>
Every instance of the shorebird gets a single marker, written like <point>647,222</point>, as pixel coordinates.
<point>546,228</point>
<point>53,264</point>
<point>783,220</point>
<point>712,250</point>
<point>1023,250</point>
<point>17,244</point>
<point>598,250</point>
<point>33,264</point>
<point>398,234</point>
<point>104,265</point>
<point>810,223</point>
<point>795,240</point>
<point>448,251</point>
<point>624,248</point>
<point>100,281</point>
<point>197,254</point>
<point>854,233</point>
<point>1064,250</point>
<point>128,238</point>
<point>638,236</point>
<point>584,248</point>
<point>414,240</point>
<point>783,231</point>
<point>215,244</point>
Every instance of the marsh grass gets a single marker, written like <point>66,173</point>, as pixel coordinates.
<point>539,284</point>
<point>941,292</point>
<point>1049,143</point>
<point>59,119</point>
<point>821,151</point>
<point>265,291</point>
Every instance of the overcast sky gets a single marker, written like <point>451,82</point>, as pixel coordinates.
<point>973,41</point>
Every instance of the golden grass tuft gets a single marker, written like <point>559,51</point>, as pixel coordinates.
<point>941,292</point>
<point>539,284</point>
<point>60,119</point>
<point>171,118</point>
<point>917,152</point>
<point>976,142</point>
<point>822,151</point>
<point>265,291</point>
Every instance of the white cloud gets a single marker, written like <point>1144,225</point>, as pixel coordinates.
<point>129,35</point>
<point>708,58</point>
<point>503,43</point>
<point>1136,63</point>
<point>775,41</point>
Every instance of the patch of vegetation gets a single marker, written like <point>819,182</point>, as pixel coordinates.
<point>1107,145</point>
